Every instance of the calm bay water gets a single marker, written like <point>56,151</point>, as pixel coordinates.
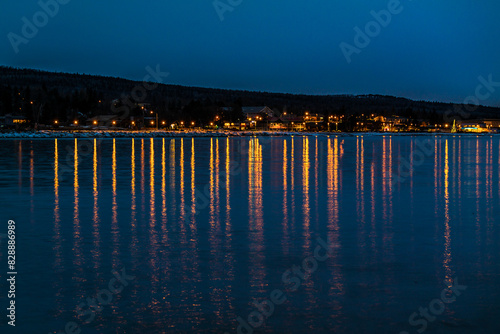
<point>208,226</point>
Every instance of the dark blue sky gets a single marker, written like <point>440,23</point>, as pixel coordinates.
<point>431,50</point>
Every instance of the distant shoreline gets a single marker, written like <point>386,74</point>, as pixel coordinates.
<point>203,133</point>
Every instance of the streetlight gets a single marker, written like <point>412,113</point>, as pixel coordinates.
<point>55,122</point>
<point>151,112</point>
<point>76,122</point>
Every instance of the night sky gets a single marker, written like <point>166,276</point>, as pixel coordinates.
<point>431,50</point>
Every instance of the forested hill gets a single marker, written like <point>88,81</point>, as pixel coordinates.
<point>65,95</point>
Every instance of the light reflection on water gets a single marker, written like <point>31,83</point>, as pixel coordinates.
<point>209,225</point>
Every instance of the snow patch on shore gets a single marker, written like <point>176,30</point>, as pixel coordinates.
<point>163,134</point>
<point>149,134</point>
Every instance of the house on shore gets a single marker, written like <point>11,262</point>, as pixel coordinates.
<point>479,125</point>
<point>257,113</point>
<point>13,121</point>
<point>314,122</point>
<point>256,117</point>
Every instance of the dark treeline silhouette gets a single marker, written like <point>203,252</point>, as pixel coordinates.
<point>45,96</point>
